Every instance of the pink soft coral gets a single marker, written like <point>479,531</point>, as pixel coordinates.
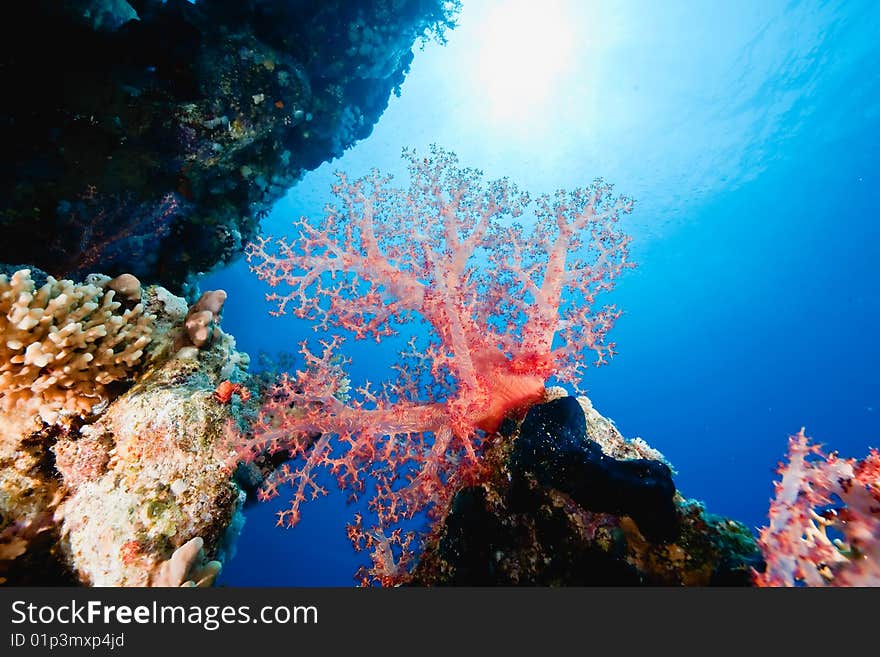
<point>509,310</point>
<point>819,493</point>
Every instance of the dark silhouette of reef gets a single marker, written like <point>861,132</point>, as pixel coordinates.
<point>559,511</point>
<point>150,137</point>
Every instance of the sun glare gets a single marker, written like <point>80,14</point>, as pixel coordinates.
<point>527,49</point>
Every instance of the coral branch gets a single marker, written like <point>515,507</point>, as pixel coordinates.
<point>820,495</point>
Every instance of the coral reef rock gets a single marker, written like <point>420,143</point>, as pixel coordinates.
<point>572,502</point>
<point>116,493</point>
<point>149,137</point>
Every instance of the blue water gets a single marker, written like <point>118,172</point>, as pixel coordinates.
<point>748,132</point>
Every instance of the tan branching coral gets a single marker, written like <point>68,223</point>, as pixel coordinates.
<point>62,343</point>
<point>204,316</point>
<point>187,567</point>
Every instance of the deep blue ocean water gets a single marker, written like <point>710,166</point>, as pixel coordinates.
<point>748,133</point>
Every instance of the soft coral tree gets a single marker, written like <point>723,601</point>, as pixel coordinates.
<point>508,309</point>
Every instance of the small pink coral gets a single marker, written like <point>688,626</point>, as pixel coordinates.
<point>819,496</point>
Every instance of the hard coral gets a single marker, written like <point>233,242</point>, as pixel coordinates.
<point>126,486</point>
<point>204,316</point>
<point>61,344</point>
<point>187,567</point>
<point>164,482</point>
<point>508,309</point>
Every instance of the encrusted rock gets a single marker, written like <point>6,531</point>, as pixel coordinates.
<point>560,510</point>
<point>129,483</point>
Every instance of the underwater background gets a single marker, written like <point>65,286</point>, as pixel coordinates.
<point>748,134</point>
